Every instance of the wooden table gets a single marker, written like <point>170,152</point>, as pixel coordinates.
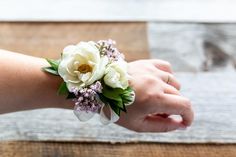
<point>47,40</point>
<point>70,149</point>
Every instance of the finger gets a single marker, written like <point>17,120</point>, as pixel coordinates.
<point>174,82</point>
<point>173,105</point>
<point>159,124</point>
<point>170,79</point>
<point>179,105</point>
<point>168,89</point>
<point>162,65</point>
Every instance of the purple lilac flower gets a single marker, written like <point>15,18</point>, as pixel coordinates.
<point>87,99</point>
<point>107,48</point>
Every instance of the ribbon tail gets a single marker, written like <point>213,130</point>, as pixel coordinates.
<point>83,115</point>
<point>107,120</point>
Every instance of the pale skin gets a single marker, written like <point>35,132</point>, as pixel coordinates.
<point>24,86</point>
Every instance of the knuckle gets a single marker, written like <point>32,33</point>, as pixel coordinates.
<point>162,62</point>
<point>167,64</point>
<point>150,69</point>
<point>153,95</point>
<point>172,77</point>
<point>159,95</point>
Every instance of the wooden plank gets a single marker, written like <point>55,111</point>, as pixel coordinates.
<point>212,94</point>
<point>111,10</point>
<point>49,39</point>
<point>38,149</point>
<point>194,47</point>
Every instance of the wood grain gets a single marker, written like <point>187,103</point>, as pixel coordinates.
<point>194,47</point>
<point>49,39</point>
<point>212,95</point>
<point>50,149</point>
<point>212,11</point>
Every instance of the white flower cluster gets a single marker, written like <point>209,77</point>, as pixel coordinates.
<point>81,65</point>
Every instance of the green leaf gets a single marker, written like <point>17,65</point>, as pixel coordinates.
<point>116,98</point>
<point>110,102</point>
<point>50,70</point>
<point>116,106</point>
<point>62,89</point>
<point>115,109</point>
<point>103,98</point>
<point>112,93</point>
<point>54,63</point>
<point>127,100</point>
<point>127,95</point>
<point>70,96</point>
<point>119,104</point>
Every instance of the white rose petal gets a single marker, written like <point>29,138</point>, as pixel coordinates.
<point>81,65</point>
<point>116,75</point>
<point>85,77</point>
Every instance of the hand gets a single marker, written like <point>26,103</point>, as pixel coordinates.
<point>157,98</point>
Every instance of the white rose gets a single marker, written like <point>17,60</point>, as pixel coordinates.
<point>81,65</point>
<point>116,75</point>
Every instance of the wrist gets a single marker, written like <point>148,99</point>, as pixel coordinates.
<point>47,86</point>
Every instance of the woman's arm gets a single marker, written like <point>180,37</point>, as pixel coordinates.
<point>24,86</point>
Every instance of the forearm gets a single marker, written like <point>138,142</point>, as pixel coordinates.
<point>24,86</point>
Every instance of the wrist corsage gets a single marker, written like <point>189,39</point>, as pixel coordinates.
<point>95,77</point>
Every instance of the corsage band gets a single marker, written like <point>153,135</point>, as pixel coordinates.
<point>95,76</point>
